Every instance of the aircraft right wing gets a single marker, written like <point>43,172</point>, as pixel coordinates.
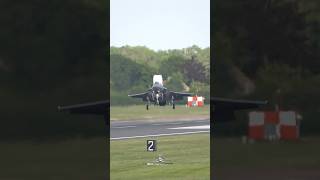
<point>143,96</point>
<point>179,95</point>
<point>223,109</point>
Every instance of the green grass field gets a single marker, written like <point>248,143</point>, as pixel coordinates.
<point>82,159</point>
<point>158,112</point>
<point>190,155</point>
<point>266,160</point>
<point>231,152</point>
<point>74,159</point>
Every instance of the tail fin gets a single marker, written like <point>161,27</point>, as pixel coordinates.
<point>157,79</point>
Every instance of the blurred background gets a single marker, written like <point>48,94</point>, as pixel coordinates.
<point>52,53</point>
<point>267,50</point>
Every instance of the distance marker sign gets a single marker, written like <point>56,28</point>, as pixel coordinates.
<point>151,145</point>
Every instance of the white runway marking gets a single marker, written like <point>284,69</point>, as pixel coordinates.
<point>157,135</point>
<point>193,127</point>
<point>121,127</point>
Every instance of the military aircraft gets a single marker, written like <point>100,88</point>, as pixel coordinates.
<point>159,95</point>
<point>222,109</point>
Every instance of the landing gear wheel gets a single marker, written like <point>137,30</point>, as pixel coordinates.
<point>148,102</point>
<point>172,101</point>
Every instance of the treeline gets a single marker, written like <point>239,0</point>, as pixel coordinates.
<point>51,53</point>
<point>268,50</point>
<point>132,69</point>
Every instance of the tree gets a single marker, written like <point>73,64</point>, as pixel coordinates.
<point>193,70</point>
<point>175,82</point>
<point>172,65</point>
<point>260,32</point>
<point>125,73</point>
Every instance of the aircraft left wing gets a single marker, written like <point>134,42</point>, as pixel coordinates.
<point>98,107</point>
<point>179,95</point>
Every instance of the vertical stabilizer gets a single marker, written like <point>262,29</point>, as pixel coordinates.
<point>157,79</point>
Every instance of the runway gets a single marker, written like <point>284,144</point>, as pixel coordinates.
<point>144,128</point>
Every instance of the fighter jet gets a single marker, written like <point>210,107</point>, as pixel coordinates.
<point>222,109</point>
<point>159,95</point>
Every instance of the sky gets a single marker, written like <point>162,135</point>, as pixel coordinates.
<point>160,24</point>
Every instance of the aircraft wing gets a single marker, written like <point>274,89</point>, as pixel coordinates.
<point>98,107</point>
<point>223,109</point>
<point>179,95</point>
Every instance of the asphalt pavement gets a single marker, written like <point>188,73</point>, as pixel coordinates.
<point>146,128</point>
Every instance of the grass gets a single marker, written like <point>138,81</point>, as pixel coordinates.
<point>231,152</point>
<point>74,159</point>
<point>189,153</point>
<point>81,159</point>
<point>266,160</point>
<point>140,112</point>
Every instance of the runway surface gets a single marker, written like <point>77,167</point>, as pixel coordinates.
<point>143,128</point>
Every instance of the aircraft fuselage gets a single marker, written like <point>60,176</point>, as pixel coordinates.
<point>158,95</point>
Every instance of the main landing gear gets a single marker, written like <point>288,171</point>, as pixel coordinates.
<point>172,101</point>
<point>148,102</point>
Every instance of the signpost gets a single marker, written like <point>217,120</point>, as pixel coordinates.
<point>152,147</point>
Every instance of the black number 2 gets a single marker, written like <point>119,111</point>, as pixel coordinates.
<point>151,145</point>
